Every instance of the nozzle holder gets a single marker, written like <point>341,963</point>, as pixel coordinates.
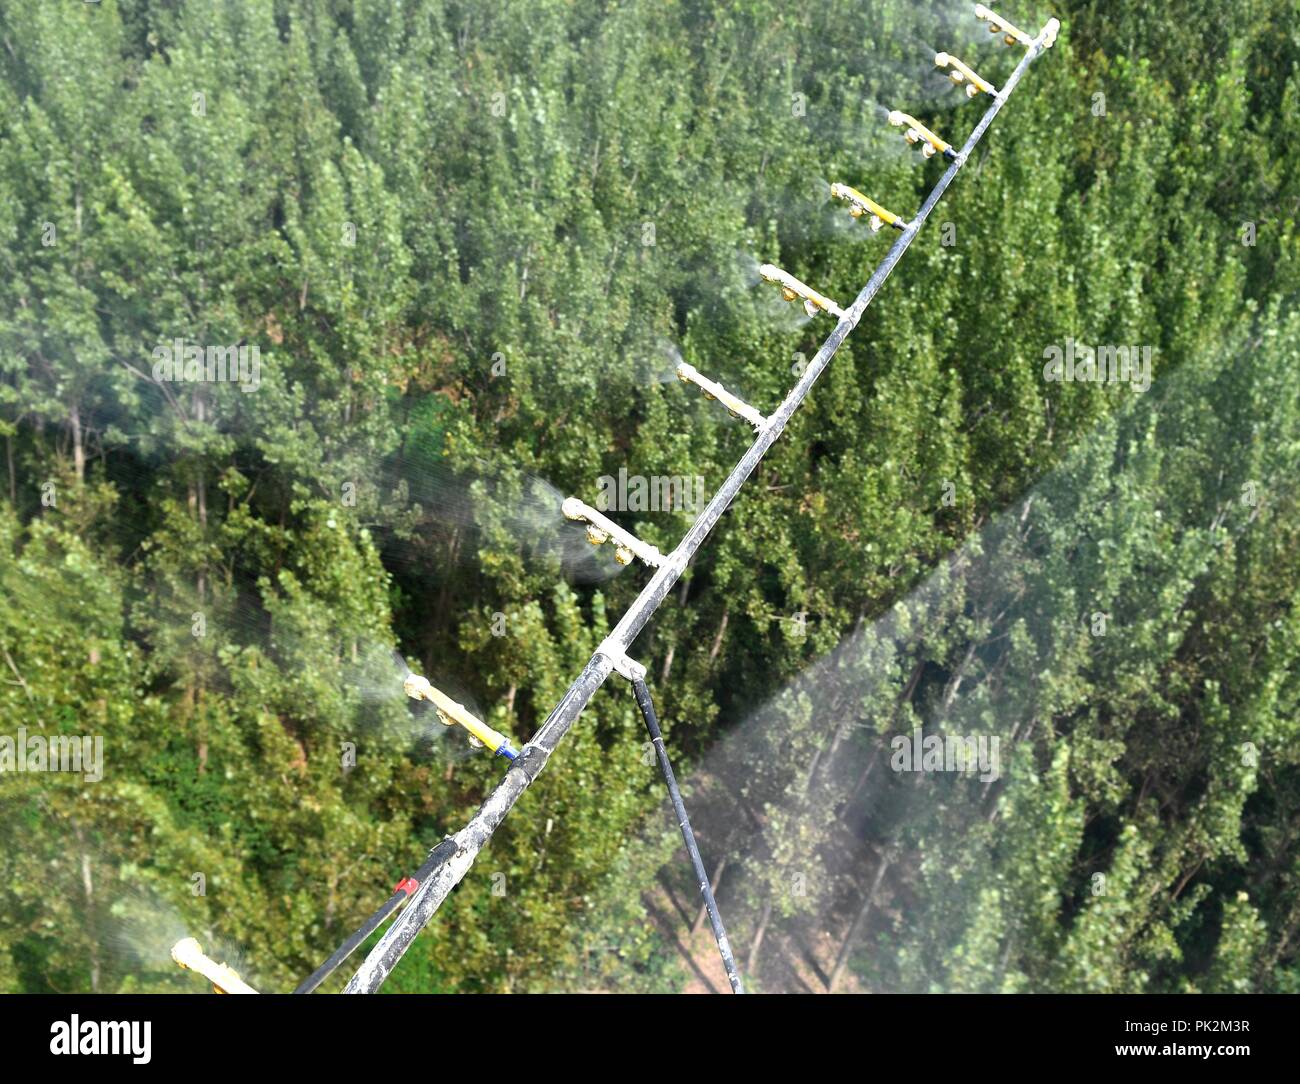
<point>861,206</point>
<point>1011,34</point>
<point>963,73</point>
<point>450,712</point>
<point>688,374</point>
<point>626,545</point>
<point>916,132</point>
<point>792,288</point>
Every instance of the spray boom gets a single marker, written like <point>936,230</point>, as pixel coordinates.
<point>611,655</point>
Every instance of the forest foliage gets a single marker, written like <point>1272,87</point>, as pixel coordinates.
<point>468,243</point>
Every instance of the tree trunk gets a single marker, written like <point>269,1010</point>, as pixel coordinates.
<point>817,758</point>
<point>713,887</point>
<point>866,774</point>
<point>202,734</point>
<point>668,664</point>
<point>842,960</point>
<point>78,445</point>
<point>88,888</point>
<point>752,959</point>
<point>717,640</point>
<point>202,495</point>
<point>954,683</point>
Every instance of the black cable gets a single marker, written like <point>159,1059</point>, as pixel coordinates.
<point>437,856</point>
<point>711,905</point>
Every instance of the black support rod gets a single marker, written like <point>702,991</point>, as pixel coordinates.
<point>647,707</point>
<point>350,945</point>
<point>474,836</point>
<point>402,892</point>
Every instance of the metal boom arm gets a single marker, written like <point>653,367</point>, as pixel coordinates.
<point>478,831</point>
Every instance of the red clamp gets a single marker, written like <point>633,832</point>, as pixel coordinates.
<point>407,885</point>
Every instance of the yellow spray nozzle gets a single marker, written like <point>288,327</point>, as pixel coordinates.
<point>1011,34</point>
<point>792,288</point>
<point>712,390</point>
<point>600,529</point>
<point>860,205</point>
<point>450,712</point>
<point>916,132</point>
<point>963,73</point>
<point>225,980</point>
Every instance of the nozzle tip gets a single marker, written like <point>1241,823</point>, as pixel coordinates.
<point>896,118</point>
<point>940,59</point>
<point>186,952</point>
<point>572,508</point>
<point>416,686</point>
